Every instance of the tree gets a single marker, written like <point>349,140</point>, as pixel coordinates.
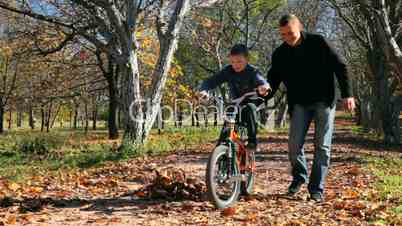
<point>9,63</point>
<point>376,27</point>
<point>111,27</point>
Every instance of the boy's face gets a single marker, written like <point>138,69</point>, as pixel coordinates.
<point>238,62</point>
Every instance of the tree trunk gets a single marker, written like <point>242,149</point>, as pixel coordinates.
<point>136,130</point>
<point>31,117</point>
<point>75,122</point>
<point>267,115</point>
<point>86,119</point>
<point>19,118</point>
<point>10,119</point>
<point>197,119</point>
<point>175,119</point>
<point>389,115</point>
<point>71,119</point>
<point>94,116</point>
<point>370,118</point>
<point>48,116</point>
<point>113,106</point>
<point>180,118</point>
<point>396,104</point>
<point>192,119</point>
<point>159,123</point>
<point>119,119</point>
<point>280,117</point>
<point>132,105</point>
<point>168,44</point>
<point>112,124</point>
<point>1,119</point>
<point>52,121</point>
<point>206,119</point>
<point>383,109</point>
<point>42,114</point>
<point>216,119</point>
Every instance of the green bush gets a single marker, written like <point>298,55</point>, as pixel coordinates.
<point>38,145</point>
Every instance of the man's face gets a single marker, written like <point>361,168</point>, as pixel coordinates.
<point>291,32</point>
<point>238,62</point>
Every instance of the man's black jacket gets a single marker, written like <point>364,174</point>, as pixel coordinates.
<point>308,72</point>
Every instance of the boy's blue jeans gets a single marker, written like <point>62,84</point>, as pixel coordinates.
<point>302,115</point>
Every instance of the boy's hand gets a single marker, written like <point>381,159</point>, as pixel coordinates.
<point>203,95</point>
<point>263,90</point>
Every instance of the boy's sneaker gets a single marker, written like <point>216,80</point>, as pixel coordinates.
<point>294,188</point>
<point>317,197</point>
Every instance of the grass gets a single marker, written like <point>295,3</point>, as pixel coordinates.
<point>64,150</point>
<point>389,181</point>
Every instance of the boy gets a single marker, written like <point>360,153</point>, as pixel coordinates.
<point>241,78</point>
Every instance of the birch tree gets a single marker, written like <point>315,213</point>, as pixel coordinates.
<point>112,26</point>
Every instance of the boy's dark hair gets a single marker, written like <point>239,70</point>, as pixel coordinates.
<point>239,49</point>
<point>284,20</point>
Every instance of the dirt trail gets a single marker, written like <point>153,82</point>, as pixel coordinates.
<point>104,196</point>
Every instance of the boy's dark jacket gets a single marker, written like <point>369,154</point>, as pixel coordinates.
<point>239,83</point>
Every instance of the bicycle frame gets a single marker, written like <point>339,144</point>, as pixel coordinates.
<point>236,149</point>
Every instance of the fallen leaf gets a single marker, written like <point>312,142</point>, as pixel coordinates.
<point>251,217</point>
<point>339,204</point>
<point>355,170</point>
<point>140,194</point>
<point>115,220</point>
<point>35,190</point>
<point>350,194</point>
<point>295,223</point>
<point>27,218</point>
<point>229,212</point>
<point>11,219</point>
<point>360,205</point>
<point>187,207</point>
<point>14,186</point>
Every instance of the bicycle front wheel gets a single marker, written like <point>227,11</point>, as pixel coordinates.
<point>221,192</point>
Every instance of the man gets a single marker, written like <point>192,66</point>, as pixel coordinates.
<point>308,67</point>
<point>241,78</point>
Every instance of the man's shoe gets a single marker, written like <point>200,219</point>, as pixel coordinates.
<point>294,188</point>
<point>317,197</point>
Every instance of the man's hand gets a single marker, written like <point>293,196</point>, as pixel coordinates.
<point>264,90</point>
<point>203,95</point>
<point>349,104</point>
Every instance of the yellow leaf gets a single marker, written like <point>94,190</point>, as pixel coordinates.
<point>35,190</point>
<point>11,219</point>
<point>14,186</point>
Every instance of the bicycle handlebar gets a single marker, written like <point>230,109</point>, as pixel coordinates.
<point>253,95</point>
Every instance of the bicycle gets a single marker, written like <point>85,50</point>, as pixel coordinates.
<point>230,164</point>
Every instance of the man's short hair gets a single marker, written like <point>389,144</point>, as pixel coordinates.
<point>285,19</point>
<point>239,49</point>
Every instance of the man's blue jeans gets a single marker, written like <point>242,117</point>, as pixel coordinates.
<point>323,116</point>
